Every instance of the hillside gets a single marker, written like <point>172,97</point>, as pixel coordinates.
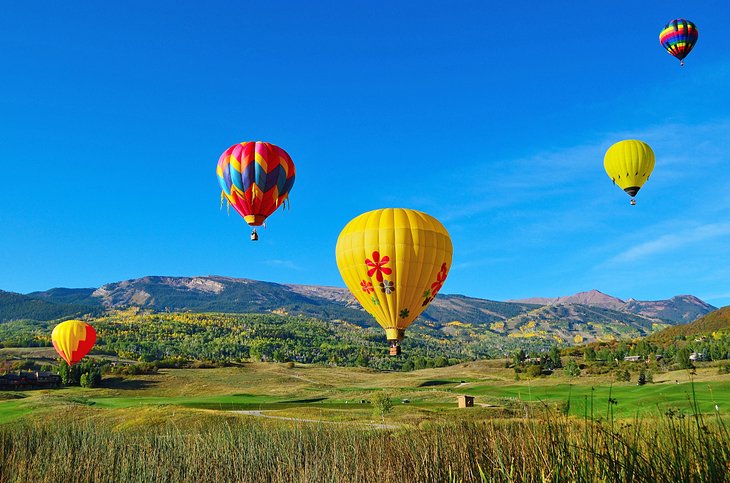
<point>719,320</point>
<point>679,309</point>
<point>583,317</point>
<point>208,294</point>
<point>15,306</point>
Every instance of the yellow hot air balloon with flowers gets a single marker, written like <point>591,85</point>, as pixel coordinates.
<point>394,261</point>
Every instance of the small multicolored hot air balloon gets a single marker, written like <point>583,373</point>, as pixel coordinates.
<point>629,163</point>
<point>73,339</point>
<point>394,261</point>
<point>678,37</point>
<point>256,179</point>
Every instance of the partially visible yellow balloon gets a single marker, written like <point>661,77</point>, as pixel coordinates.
<point>73,339</point>
<point>394,261</point>
<point>629,163</point>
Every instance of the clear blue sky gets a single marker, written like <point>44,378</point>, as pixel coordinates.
<point>493,117</point>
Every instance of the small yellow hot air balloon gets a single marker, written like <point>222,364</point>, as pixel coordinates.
<point>629,163</point>
<point>394,261</point>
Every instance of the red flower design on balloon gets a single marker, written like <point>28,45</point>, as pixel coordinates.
<point>440,279</point>
<point>377,266</point>
<point>367,287</point>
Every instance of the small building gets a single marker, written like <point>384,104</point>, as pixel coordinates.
<point>466,401</point>
<point>632,358</point>
<point>29,380</point>
<point>697,356</point>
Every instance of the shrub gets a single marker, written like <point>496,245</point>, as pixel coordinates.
<point>137,369</point>
<point>572,369</point>
<point>534,370</point>
<point>623,375</point>
<point>382,403</point>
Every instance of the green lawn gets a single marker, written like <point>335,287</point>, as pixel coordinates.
<point>316,392</point>
<point>630,399</point>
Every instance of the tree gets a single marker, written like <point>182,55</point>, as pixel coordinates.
<point>279,355</point>
<point>554,357</point>
<point>518,356</point>
<point>623,375</point>
<point>70,375</point>
<point>590,354</point>
<point>572,369</point>
<point>362,360</point>
<point>382,404</point>
<point>682,358</point>
<point>85,373</point>
<point>642,378</point>
<point>420,363</point>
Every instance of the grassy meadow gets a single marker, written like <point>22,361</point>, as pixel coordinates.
<point>185,425</point>
<point>335,392</point>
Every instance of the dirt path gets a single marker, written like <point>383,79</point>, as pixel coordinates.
<point>260,414</point>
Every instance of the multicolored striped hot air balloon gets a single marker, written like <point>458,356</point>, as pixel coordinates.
<point>256,179</point>
<point>73,339</point>
<point>678,37</point>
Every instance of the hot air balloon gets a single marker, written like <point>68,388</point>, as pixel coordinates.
<point>394,261</point>
<point>73,339</point>
<point>256,179</point>
<point>629,163</point>
<point>678,37</point>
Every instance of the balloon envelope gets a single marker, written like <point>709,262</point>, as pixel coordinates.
<point>629,163</point>
<point>678,37</point>
<point>73,339</point>
<point>256,179</point>
<point>394,261</point>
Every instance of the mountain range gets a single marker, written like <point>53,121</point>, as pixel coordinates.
<point>584,316</point>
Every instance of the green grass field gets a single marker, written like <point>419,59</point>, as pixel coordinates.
<point>335,393</point>
<point>184,425</point>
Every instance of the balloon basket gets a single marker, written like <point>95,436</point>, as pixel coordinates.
<point>394,348</point>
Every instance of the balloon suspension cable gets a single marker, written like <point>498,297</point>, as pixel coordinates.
<point>222,198</point>
<point>228,209</point>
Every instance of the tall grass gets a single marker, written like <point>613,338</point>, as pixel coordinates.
<point>545,447</point>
